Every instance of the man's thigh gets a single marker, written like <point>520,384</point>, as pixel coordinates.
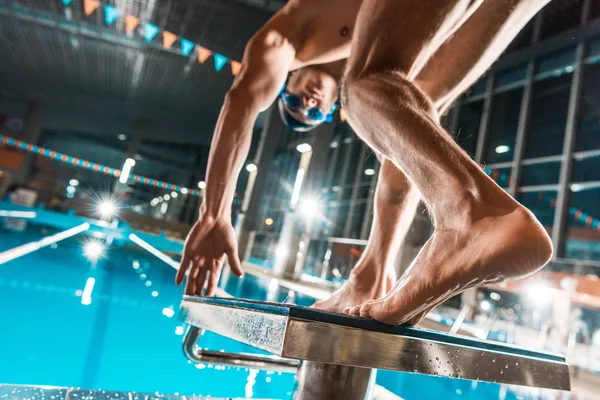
<point>401,34</point>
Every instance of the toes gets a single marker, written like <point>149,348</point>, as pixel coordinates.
<point>355,311</point>
<point>365,310</point>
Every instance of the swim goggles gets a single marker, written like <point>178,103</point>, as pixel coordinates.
<point>295,104</point>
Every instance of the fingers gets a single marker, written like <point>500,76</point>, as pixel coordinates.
<point>195,279</point>
<point>213,280</point>
<point>234,261</point>
<point>183,267</point>
<point>200,282</point>
<point>190,286</point>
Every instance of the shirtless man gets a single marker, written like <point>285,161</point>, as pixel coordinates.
<point>407,61</point>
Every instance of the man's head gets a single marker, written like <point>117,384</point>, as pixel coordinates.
<point>308,98</point>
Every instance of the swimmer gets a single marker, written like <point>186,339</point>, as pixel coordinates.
<point>401,64</point>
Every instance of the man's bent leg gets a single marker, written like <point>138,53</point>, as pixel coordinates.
<point>396,201</point>
<point>445,76</point>
<point>482,234</point>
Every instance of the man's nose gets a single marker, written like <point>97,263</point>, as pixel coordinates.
<point>310,102</point>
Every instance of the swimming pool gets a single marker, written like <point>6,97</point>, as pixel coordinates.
<point>128,338</point>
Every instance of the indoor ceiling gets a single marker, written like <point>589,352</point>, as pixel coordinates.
<point>98,79</point>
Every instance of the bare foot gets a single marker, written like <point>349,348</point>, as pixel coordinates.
<point>509,244</point>
<point>364,284</point>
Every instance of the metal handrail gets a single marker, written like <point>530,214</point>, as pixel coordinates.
<point>241,360</point>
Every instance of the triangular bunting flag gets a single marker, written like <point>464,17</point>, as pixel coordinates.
<point>342,115</point>
<point>131,22</point>
<point>235,67</point>
<point>111,14</point>
<point>150,31</point>
<point>66,2</point>
<point>89,6</point>
<point>220,61</point>
<point>186,47</point>
<point>203,54</point>
<point>168,39</point>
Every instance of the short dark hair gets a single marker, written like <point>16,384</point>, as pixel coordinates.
<point>292,122</point>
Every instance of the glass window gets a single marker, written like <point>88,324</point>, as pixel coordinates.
<point>559,16</point>
<point>478,87</point>
<point>352,167</point>
<point>542,204</point>
<point>540,174</point>
<point>557,63</point>
<point>583,234</point>
<point>585,170</point>
<point>369,171</point>
<point>339,165</point>
<point>357,219</point>
<point>593,55</point>
<point>365,192</point>
<point>588,136</point>
<point>504,121</point>
<point>468,126</point>
<point>594,10</point>
<point>500,175</point>
<point>340,220</point>
<point>523,39</point>
<point>510,76</point>
<point>548,117</point>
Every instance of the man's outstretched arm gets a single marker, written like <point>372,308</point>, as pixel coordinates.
<point>267,60</point>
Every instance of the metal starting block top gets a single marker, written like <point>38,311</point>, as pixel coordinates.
<point>304,333</point>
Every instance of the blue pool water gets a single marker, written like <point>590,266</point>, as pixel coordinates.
<point>129,337</point>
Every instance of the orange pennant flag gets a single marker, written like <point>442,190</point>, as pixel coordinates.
<point>89,6</point>
<point>168,39</point>
<point>235,67</point>
<point>203,54</point>
<point>131,22</point>
<point>342,115</point>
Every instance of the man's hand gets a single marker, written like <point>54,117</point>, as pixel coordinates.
<point>206,246</point>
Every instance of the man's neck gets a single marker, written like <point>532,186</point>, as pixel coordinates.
<point>336,68</point>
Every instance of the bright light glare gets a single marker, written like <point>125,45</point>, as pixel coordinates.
<point>184,190</point>
<point>303,148</point>
<point>154,293</point>
<point>154,202</point>
<point>281,252</point>
<point>174,194</point>
<point>537,294</point>
<point>122,137</point>
<point>369,171</point>
<point>486,305</point>
<point>107,208</point>
<point>93,250</point>
<point>269,221</point>
<point>167,197</point>
<point>179,330</point>
<point>502,149</point>
<point>126,170</point>
<point>297,187</point>
<point>163,208</point>
<point>201,185</point>
<point>86,297</point>
<point>309,207</point>
<point>168,312</point>
<point>73,182</point>
<point>494,296</point>
<point>251,168</point>
<point>71,189</point>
